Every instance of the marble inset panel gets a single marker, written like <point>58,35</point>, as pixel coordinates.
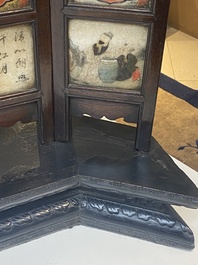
<point>106,54</point>
<point>17,67</point>
<point>138,4</point>
<point>13,5</point>
<point>19,150</point>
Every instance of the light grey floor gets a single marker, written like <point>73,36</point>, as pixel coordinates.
<point>180,60</point>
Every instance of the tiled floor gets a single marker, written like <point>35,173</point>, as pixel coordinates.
<point>180,60</point>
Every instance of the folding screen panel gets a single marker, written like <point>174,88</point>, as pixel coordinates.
<point>110,67</point>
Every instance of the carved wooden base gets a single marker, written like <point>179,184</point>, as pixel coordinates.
<point>145,219</point>
<point>98,180</point>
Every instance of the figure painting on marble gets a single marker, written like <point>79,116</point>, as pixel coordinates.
<point>103,54</point>
<point>12,5</point>
<point>120,3</point>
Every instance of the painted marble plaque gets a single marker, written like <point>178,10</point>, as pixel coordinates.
<point>13,5</point>
<point>19,151</point>
<point>145,4</point>
<point>17,70</point>
<point>105,54</point>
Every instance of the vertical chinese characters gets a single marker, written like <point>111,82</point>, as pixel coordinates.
<point>3,55</point>
<point>21,61</point>
<point>17,71</point>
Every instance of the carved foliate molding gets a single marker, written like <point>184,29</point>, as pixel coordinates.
<point>134,217</point>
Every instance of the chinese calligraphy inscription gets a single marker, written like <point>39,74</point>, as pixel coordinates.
<point>17,71</point>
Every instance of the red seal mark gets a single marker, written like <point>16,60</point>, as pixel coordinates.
<point>112,1</point>
<point>142,3</point>
<point>23,3</point>
<point>3,2</point>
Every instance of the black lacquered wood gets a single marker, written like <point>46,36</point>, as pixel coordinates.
<point>146,98</point>
<point>88,171</point>
<point>101,184</point>
<point>39,18</point>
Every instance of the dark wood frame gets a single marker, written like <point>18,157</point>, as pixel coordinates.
<point>135,107</point>
<point>96,179</point>
<point>36,103</point>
